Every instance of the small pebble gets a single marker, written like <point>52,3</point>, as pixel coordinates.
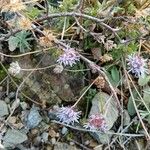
<point>52,133</point>
<point>11,94</point>
<point>33,119</point>
<point>37,140</point>
<point>7,100</point>
<point>53,140</point>
<point>99,147</point>
<point>44,136</point>
<point>34,131</point>
<point>24,105</point>
<point>57,135</point>
<point>87,142</point>
<point>51,115</point>
<point>93,143</point>
<point>1,88</point>
<point>71,143</point>
<point>12,120</point>
<point>64,130</point>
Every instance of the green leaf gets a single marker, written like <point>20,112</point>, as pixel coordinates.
<point>146,95</point>
<point>13,43</point>
<point>33,12</point>
<point>148,119</point>
<point>126,118</point>
<point>143,80</point>
<point>130,106</point>
<point>115,74</point>
<point>20,40</point>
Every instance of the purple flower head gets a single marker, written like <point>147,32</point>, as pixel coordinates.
<point>68,115</point>
<point>69,57</point>
<point>137,65</point>
<point>96,122</point>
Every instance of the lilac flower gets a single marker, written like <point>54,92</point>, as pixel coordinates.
<point>137,65</point>
<point>69,57</point>
<point>96,122</point>
<point>68,115</point>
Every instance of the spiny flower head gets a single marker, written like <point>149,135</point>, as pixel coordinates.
<point>96,122</point>
<point>68,115</point>
<point>25,23</point>
<point>47,39</point>
<point>69,57</point>
<point>137,65</point>
<point>14,6</point>
<point>14,68</point>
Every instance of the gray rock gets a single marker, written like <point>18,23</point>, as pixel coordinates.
<point>34,118</point>
<point>102,137</point>
<point>106,105</point>
<point>45,136</point>
<point>64,146</point>
<point>14,137</point>
<point>64,131</point>
<point>3,108</point>
<point>53,141</point>
<point>7,100</point>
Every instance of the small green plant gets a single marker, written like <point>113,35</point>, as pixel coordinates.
<point>20,40</point>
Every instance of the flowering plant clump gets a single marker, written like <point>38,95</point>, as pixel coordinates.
<point>137,65</point>
<point>14,68</point>
<point>69,57</point>
<point>68,115</point>
<point>96,122</point>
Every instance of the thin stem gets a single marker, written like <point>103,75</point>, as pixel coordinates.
<point>86,130</point>
<point>34,69</point>
<point>64,27</point>
<point>79,70</point>
<point>24,54</point>
<point>84,93</point>
<point>75,14</point>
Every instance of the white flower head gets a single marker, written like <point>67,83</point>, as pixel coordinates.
<point>137,65</point>
<point>58,69</point>
<point>14,68</point>
<point>69,57</point>
<point>96,122</point>
<point>68,115</point>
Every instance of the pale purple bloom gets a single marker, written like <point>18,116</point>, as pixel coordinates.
<point>68,115</point>
<point>137,65</point>
<point>96,122</point>
<point>69,57</point>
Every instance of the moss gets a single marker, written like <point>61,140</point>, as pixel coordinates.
<point>2,74</point>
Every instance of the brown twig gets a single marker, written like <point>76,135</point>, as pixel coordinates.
<point>64,14</point>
